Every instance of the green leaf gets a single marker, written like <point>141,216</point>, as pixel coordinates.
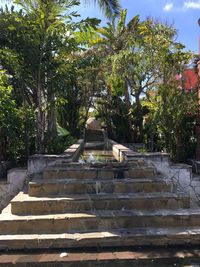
<point>61,131</point>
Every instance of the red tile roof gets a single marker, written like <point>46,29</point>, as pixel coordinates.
<point>190,79</point>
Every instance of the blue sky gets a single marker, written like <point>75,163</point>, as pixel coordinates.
<point>183,14</point>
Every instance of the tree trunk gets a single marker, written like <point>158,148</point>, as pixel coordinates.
<point>129,116</point>
<point>139,119</point>
<point>40,120</point>
<point>51,115</point>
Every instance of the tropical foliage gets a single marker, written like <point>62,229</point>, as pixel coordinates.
<point>55,68</point>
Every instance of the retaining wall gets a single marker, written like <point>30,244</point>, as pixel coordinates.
<point>15,182</point>
<point>37,163</point>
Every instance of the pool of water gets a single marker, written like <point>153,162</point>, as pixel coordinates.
<point>97,156</point>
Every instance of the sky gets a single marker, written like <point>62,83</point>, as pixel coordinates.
<point>182,14</point>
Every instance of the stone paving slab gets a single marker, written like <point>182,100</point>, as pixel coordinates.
<point>105,259</point>
<point>117,257</point>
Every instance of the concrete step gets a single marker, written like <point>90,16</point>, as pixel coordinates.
<point>24,204</point>
<point>135,163</point>
<point>97,173</point>
<point>145,172</point>
<point>49,187</point>
<point>147,236</point>
<point>97,221</point>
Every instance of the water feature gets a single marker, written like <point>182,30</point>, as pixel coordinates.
<point>98,187</point>
<point>96,156</point>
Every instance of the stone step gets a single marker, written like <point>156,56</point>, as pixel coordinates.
<point>24,204</point>
<point>148,236</point>
<point>49,187</point>
<point>97,221</point>
<point>97,173</point>
<point>145,172</point>
<point>134,163</point>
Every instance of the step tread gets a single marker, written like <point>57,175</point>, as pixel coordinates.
<point>92,181</point>
<point>93,167</point>
<point>103,214</point>
<point>114,238</point>
<point>21,197</point>
<point>110,233</point>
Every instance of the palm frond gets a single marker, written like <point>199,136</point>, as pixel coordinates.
<point>109,7</point>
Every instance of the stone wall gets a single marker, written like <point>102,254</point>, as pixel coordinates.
<point>15,182</point>
<point>38,162</point>
<point>16,177</point>
<point>160,160</point>
<point>179,174</point>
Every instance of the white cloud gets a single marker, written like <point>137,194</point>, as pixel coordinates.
<point>168,7</point>
<point>192,4</point>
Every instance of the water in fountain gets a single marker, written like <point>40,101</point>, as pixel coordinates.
<point>98,187</point>
<point>97,156</point>
<point>91,158</point>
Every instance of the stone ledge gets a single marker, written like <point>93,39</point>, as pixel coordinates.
<point>15,181</point>
<point>123,153</point>
<point>38,162</point>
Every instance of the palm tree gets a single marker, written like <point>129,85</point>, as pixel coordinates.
<point>48,16</point>
<point>109,7</point>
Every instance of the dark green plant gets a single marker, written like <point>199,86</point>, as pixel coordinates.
<point>16,125</point>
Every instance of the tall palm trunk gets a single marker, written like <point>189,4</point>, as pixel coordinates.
<point>40,117</point>
<point>129,116</point>
<point>40,120</point>
<point>51,114</point>
<point>139,137</point>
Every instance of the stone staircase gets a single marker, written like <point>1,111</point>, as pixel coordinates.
<point>98,206</point>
